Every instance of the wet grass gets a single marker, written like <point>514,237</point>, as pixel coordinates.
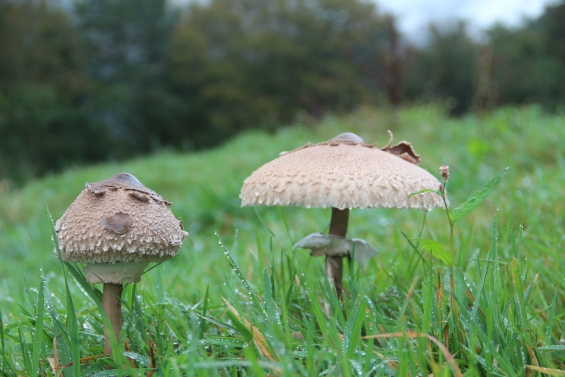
<point>239,301</point>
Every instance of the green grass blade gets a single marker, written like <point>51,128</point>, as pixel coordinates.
<point>424,191</point>
<point>551,319</point>
<point>269,301</point>
<point>478,293</point>
<point>503,363</point>
<point>203,325</point>
<point>331,295</point>
<point>244,281</point>
<point>72,325</point>
<point>353,326</point>
<point>429,297</point>
<point>25,351</point>
<point>286,228</point>
<point>320,317</point>
<point>472,203</point>
<point>38,334</point>
<point>240,326</point>
<point>263,221</point>
<point>6,365</point>
<point>518,291</point>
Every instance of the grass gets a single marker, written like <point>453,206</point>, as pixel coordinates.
<point>239,301</point>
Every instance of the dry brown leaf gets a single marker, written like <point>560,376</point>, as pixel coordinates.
<point>403,150</point>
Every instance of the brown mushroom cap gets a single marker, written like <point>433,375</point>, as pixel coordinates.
<point>116,225</point>
<point>344,172</point>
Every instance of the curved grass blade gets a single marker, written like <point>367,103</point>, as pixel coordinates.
<point>472,203</point>
<point>353,326</point>
<point>424,191</point>
<point>38,336</point>
<point>243,280</point>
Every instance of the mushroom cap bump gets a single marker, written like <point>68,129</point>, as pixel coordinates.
<point>344,172</point>
<point>117,226</point>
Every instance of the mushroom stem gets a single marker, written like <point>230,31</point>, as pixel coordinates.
<point>334,264</point>
<point>113,308</point>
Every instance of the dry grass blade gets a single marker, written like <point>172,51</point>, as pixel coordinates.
<point>258,338</point>
<point>83,360</point>
<point>55,364</point>
<point>412,334</point>
<point>391,364</point>
<point>152,357</point>
<point>534,360</point>
<point>548,371</point>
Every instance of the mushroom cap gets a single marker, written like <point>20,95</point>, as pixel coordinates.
<point>344,172</point>
<point>118,221</point>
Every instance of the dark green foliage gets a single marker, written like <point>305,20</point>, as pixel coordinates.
<point>529,62</point>
<point>111,79</point>
<point>445,68</point>
<point>42,130</point>
<point>41,84</point>
<point>126,44</point>
<point>251,63</point>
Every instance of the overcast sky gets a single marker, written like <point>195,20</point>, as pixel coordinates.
<point>415,15</point>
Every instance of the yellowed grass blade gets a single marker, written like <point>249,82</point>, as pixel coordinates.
<point>412,334</point>
<point>258,338</point>
<point>551,372</point>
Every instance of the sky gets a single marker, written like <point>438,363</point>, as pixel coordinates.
<point>414,15</point>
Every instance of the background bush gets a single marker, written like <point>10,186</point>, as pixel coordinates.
<point>105,80</point>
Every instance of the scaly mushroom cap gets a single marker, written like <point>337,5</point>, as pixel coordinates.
<point>116,224</point>
<point>344,172</point>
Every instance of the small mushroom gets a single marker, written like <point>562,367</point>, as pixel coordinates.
<point>342,173</point>
<point>329,244</point>
<point>116,227</point>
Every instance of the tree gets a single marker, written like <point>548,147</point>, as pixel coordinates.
<point>127,42</point>
<point>41,86</point>
<point>445,67</point>
<point>249,63</point>
<point>530,61</point>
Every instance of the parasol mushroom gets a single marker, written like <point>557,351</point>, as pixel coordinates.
<point>117,227</point>
<point>342,173</point>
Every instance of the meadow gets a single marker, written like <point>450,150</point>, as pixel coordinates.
<point>238,300</point>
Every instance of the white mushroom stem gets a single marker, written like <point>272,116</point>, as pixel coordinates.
<point>334,264</point>
<point>111,295</point>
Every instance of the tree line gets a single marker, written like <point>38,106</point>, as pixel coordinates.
<point>110,79</point>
